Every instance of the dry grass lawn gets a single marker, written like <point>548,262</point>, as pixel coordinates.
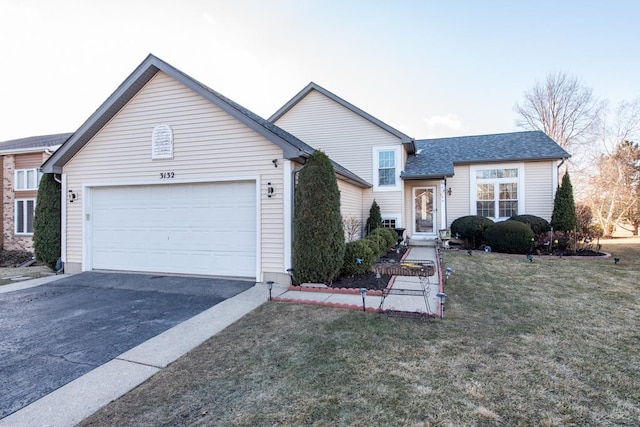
<point>553,342</point>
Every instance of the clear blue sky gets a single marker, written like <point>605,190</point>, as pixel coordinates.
<point>428,68</point>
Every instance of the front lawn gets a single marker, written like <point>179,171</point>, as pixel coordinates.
<point>553,342</point>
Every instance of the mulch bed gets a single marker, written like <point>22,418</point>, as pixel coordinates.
<point>13,258</point>
<point>369,280</point>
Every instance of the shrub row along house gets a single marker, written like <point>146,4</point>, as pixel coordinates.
<point>169,176</point>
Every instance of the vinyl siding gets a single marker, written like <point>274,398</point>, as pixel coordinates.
<point>458,204</point>
<point>29,161</point>
<point>351,202</point>
<point>345,137</point>
<point>539,191</point>
<point>209,145</point>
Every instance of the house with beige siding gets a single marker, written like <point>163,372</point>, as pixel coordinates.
<point>21,159</point>
<point>424,185</point>
<point>170,176</point>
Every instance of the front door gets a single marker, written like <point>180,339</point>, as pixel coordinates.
<point>424,210</point>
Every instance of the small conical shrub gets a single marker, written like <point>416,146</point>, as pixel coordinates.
<point>375,217</point>
<point>564,209</point>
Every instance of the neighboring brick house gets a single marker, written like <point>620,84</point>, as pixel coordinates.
<point>21,159</point>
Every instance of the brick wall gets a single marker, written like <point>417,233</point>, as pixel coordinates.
<point>11,240</point>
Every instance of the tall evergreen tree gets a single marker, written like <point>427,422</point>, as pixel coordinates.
<point>564,209</point>
<point>318,245</point>
<point>46,226</point>
<point>375,217</point>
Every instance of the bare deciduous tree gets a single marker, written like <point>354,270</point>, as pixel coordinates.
<point>562,108</point>
<point>615,174</point>
<point>352,227</point>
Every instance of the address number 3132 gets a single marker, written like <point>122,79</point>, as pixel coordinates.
<point>167,175</point>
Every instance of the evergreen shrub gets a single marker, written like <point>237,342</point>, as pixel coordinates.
<point>471,229</point>
<point>46,224</point>
<point>358,258</point>
<point>318,246</point>
<point>375,218</point>
<point>511,237</point>
<point>538,225</point>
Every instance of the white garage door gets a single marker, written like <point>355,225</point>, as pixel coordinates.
<point>207,228</point>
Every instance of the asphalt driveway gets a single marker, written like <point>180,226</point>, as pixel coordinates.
<point>57,332</point>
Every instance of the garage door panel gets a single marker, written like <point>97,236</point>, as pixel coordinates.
<point>182,228</point>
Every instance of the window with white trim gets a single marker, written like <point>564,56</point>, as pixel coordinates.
<point>389,222</point>
<point>25,212</point>
<point>27,179</point>
<point>497,192</point>
<point>386,168</point>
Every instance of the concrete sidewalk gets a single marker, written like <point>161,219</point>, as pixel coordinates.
<point>396,303</point>
<point>77,400</point>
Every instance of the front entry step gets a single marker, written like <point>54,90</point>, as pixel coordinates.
<point>422,242</point>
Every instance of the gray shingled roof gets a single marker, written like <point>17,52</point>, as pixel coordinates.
<point>41,141</point>
<point>293,147</point>
<point>435,158</point>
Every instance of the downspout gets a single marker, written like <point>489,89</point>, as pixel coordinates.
<point>446,205</point>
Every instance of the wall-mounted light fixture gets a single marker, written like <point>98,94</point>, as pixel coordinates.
<point>275,162</point>
<point>270,190</point>
<point>71,196</point>
<point>449,191</point>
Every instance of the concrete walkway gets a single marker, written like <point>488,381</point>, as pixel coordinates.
<point>429,306</point>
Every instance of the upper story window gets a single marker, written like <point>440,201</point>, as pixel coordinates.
<point>497,192</point>
<point>27,179</point>
<point>386,168</point>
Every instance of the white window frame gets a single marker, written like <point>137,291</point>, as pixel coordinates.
<point>21,184</point>
<point>393,217</point>
<point>24,216</point>
<point>519,180</point>
<point>376,165</point>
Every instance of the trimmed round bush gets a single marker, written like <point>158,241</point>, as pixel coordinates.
<point>358,258</point>
<point>538,225</point>
<point>373,246</point>
<point>511,237</point>
<point>471,228</point>
<point>380,243</point>
<point>384,239</point>
<point>390,236</point>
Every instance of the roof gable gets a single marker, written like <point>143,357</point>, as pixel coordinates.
<point>293,148</point>
<point>437,157</point>
<point>406,140</point>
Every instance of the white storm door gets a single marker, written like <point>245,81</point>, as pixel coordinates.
<point>424,210</point>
